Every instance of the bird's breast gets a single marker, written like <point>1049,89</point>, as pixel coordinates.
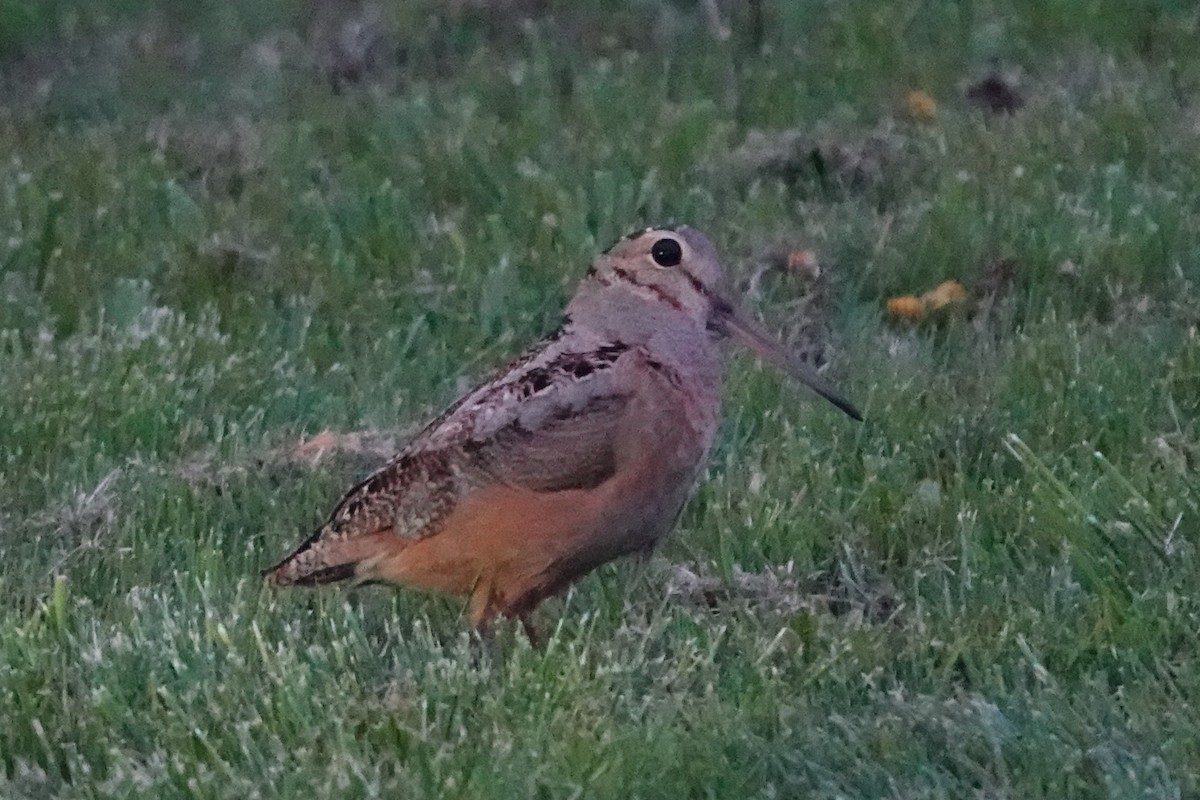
<point>686,380</point>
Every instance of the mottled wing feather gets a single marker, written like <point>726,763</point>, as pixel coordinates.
<point>409,495</point>
<point>551,380</point>
<point>546,423</point>
<point>569,450</point>
<point>567,445</point>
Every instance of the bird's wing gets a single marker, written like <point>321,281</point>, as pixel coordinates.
<point>547,423</point>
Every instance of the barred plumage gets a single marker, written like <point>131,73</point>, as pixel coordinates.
<point>583,449</point>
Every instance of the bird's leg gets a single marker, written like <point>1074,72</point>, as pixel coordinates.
<point>482,608</point>
<point>535,640</point>
<point>482,613</point>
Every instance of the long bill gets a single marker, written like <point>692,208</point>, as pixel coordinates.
<point>750,333</point>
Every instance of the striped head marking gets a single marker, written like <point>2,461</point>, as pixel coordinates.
<point>675,270</point>
<point>673,266</point>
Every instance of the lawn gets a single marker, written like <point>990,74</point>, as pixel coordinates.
<point>246,248</point>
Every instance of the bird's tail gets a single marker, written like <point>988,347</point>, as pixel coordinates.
<point>328,557</point>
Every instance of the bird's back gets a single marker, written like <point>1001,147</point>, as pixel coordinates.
<point>579,451</point>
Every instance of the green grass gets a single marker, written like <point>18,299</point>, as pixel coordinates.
<point>988,589</point>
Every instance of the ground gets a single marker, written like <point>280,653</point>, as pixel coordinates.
<point>246,248</point>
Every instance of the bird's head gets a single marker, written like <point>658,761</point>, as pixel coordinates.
<point>676,270</point>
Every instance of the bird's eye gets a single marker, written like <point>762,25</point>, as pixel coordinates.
<point>666,253</point>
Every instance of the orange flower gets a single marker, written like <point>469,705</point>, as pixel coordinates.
<point>915,309</point>
<point>920,106</point>
<point>906,307</point>
<point>947,293</point>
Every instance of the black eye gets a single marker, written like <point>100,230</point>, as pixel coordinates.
<point>666,253</point>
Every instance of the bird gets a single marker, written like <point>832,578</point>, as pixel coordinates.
<point>582,450</point>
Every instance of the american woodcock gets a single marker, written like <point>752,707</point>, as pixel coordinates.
<point>583,449</point>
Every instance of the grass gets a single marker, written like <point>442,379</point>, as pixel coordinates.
<point>988,589</point>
